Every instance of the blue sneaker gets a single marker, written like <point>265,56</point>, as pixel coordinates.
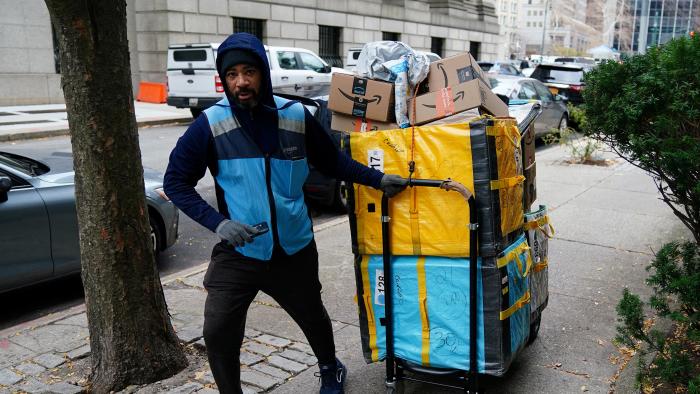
<point>332,377</point>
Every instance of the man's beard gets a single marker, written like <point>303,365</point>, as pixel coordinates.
<point>249,103</point>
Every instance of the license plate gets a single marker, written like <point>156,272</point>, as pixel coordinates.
<point>554,90</point>
<point>194,102</point>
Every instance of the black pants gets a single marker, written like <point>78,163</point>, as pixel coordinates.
<point>232,282</point>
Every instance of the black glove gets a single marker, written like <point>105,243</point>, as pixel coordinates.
<point>236,233</point>
<point>391,184</point>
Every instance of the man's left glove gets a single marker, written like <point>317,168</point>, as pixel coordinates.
<point>392,184</point>
<point>235,233</point>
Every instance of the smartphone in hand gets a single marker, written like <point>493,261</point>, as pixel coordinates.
<point>260,228</point>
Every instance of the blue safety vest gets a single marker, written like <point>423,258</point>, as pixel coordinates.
<point>264,188</point>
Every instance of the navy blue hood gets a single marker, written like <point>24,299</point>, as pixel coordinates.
<point>250,43</point>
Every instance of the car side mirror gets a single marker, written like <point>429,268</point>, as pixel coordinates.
<point>326,69</point>
<point>5,186</point>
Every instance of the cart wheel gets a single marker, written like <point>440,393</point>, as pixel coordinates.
<point>397,389</point>
<point>534,329</point>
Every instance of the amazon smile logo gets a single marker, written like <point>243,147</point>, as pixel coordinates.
<point>458,96</point>
<point>376,98</point>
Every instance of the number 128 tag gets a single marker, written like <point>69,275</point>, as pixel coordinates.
<point>375,159</point>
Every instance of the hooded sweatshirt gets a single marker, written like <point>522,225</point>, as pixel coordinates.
<point>259,161</point>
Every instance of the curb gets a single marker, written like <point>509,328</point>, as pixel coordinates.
<point>28,135</point>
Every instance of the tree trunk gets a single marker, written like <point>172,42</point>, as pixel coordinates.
<point>132,340</point>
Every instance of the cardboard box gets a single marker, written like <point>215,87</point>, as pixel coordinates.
<point>530,186</point>
<point>342,122</point>
<point>455,99</point>
<point>527,143</point>
<point>454,71</point>
<point>362,97</point>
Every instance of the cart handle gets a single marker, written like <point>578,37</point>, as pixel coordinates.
<point>448,185</point>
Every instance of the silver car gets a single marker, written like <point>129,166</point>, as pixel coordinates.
<point>554,114</point>
<point>39,224</point>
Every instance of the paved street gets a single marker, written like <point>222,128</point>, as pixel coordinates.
<point>608,221</point>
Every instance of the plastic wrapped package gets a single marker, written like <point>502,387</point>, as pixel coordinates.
<point>399,69</point>
<point>394,61</point>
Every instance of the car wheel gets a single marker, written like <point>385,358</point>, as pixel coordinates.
<point>340,197</point>
<point>195,112</point>
<point>563,123</point>
<point>156,235</point>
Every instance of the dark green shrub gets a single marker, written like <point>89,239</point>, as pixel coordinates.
<point>647,109</point>
<point>675,276</point>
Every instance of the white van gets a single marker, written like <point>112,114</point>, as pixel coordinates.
<point>192,78</point>
<point>194,83</point>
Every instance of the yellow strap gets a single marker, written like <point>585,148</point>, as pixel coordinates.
<point>367,298</point>
<point>515,255</point>
<point>507,182</point>
<point>511,132</point>
<point>539,222</point>
<point>528,261</point>
<point>551,231</point>
<point>415,223</point>
<point>524,300</point>
<point>425,323</point>
<point>540,266</point>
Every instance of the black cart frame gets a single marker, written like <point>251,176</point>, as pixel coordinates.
<point>395,367</point>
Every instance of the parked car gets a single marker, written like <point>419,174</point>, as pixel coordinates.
<point>499,67</point>
<point>554,112</point>
<point>194,83</point>
<point>39,224</point>
<point>563,79</point>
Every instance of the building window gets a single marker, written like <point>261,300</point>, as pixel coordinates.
<point>329,45</point>
<point>474,47</point>
<point>436,45</point>
<point>391,36</point>
<point>247,25</point>
<point>527,24</point>
<point>56,51</point>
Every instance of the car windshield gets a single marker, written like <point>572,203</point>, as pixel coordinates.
<point>485,66</point>
<point>502,87</point>
<point>558,74</point>
<point>23,164</point>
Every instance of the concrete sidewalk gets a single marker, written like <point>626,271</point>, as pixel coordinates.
<point>39,121</point>
<point>609,220</point>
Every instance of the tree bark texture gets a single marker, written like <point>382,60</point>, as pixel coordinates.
<point>131,337</point>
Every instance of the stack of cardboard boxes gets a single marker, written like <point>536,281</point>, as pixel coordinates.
<point>454,85</point>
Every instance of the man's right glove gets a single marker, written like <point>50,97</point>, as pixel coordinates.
<point>236,233</point>
<point>392,184</point>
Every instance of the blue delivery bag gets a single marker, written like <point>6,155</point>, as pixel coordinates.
<point>431,309</point>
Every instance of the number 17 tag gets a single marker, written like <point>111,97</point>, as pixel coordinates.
<point>375,159</point>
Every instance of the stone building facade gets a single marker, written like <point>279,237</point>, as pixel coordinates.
<point>28,73</point>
